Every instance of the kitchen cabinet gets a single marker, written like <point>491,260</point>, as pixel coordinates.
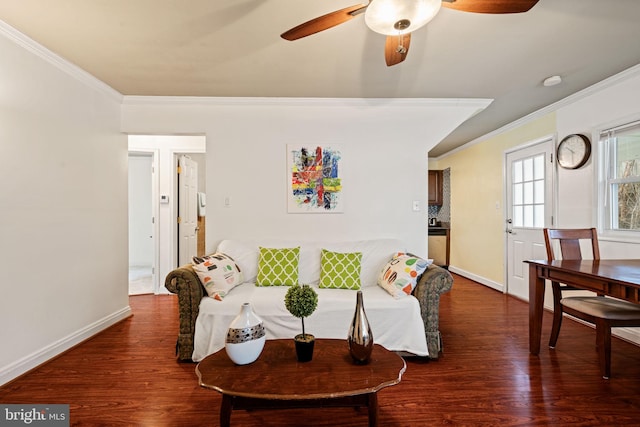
<point>435,187</point>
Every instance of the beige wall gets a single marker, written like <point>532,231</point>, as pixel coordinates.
<point>477,212</point>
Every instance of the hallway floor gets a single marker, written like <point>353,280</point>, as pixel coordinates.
<point>140,280</point>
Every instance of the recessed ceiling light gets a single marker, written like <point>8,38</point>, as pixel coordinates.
<point>552,81</point>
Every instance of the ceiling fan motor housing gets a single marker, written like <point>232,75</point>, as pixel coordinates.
<point>392,17</point>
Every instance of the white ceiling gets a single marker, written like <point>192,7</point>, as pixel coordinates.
<point>232,48</point>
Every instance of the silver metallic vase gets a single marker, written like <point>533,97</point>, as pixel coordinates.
<point>360,338</point>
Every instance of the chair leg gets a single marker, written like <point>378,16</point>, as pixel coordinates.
<point>555,328</point>
<point>557,318</point>
<point>603,341</point>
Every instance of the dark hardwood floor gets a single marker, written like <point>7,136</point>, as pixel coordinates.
<point>128,376</point>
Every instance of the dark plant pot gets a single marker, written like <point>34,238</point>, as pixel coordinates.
<point>304,347</point>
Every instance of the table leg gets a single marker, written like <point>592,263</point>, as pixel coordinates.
<point>536,307</point>
<point>225,410</point>
<point>373,409</point>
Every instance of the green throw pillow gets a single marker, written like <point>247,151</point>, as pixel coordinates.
<point>340,270</point>
<point>278,267</point>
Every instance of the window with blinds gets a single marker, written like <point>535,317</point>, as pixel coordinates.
<point>621,169</point>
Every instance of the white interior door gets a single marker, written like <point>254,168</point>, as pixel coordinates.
<point>529,190</point>
<point>187,209</point>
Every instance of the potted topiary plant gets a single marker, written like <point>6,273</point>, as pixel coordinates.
<point>301,301</point>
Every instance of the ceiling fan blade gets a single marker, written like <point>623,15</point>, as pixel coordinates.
<point>396,48</point>
<point>323,22</point>
<point>490,6</point>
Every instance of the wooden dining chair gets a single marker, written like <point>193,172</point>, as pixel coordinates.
<point>605,313</point>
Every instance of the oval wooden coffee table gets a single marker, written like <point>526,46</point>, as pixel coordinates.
<point>278,380</point>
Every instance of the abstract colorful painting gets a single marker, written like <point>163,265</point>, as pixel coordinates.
<point>315,180</point>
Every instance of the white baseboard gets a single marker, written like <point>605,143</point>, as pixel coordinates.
<point>33,360</point>
<point>483,281</point>
<point>630,335</point>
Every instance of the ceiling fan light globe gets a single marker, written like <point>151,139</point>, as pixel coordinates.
<point>382,15</point>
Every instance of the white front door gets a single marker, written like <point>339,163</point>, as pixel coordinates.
<point>529,190</point>
<point>187,209</point>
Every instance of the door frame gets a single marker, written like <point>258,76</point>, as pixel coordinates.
<point>554,196</point>
<point>166,146</point>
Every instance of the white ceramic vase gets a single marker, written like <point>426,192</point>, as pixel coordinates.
<point>245,337</point>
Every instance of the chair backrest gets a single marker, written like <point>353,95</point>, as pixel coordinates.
<point>570,242</point>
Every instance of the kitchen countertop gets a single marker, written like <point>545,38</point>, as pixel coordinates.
<point>439,231</point>
<point>440,226</point>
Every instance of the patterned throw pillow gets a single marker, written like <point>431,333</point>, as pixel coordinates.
<point>278,267</point>
<point>400,275</point>
<point>340,270</point>
<point>218,273</point>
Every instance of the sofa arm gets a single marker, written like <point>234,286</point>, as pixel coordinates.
<point>184,282</point>
<point>433,282</point>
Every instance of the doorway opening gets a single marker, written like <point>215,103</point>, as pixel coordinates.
<point>141,232</point>
<point>161,214</point>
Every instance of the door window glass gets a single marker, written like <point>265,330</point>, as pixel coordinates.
<point>528,192</point>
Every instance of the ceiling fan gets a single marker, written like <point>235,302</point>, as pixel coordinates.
<point>398,18</point>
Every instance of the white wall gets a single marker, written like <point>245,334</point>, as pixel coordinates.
<point>609,103</point>
<point>63,216</point>
<point>385,145</point>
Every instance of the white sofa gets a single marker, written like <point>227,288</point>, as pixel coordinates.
<point>399,324</point>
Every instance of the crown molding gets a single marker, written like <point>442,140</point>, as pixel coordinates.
<point>584,93</point>
<point>59,62</point>
<point>478,103</point>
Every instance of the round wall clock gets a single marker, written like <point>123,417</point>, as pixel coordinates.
<point>573,151</point>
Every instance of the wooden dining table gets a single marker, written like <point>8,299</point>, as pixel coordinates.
<point>619,278</point>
